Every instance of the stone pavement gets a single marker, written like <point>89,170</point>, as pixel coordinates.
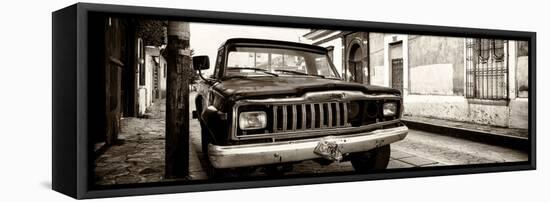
<point>446,150</point>
<point>139,157</point>
<point>506,137</point>
<point>513,132</point>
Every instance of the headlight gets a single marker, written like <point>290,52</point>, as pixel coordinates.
<point>390,109</point>
<point>353,110</point>
<point>252,120</point>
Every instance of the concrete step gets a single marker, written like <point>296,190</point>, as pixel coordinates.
<point>512,138</point>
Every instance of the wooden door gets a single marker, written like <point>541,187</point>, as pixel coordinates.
<point>397,73</point>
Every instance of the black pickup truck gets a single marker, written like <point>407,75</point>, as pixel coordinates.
<point>270,104</point>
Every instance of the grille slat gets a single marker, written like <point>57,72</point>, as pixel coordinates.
<point>304,116</point>
<point>329,114</point>
<point>294,117</point>
<point>321,116</point>
<point>285,117</point>
<point>275,118</point>
<point>345,113</point>
<point>338,114</point>
<point>312,107</point>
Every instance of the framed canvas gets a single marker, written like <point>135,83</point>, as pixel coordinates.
<point>158,100</point>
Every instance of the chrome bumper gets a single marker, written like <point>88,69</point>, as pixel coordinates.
<point>298,150</point>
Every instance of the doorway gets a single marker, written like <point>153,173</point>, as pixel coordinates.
<point>355,64</point>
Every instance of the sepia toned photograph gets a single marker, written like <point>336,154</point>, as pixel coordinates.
<point>200,102</point>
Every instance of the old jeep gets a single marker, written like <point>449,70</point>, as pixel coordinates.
<point>270,104</point>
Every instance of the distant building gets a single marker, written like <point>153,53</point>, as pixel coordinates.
<point>152,86</point>
<point>481,81</point>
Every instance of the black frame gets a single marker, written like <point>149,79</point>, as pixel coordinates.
<point>70,90</point>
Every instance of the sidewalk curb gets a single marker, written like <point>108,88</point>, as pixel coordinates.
<point>471,134</point>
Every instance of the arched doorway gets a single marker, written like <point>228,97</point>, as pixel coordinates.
<point>355,64</point>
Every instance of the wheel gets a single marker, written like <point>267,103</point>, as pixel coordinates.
<point>205,140</point>
<point>376,159</point>
<point>205,134</point>
<point>213,172</point>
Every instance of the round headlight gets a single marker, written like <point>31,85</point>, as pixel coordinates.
<point>372,109</point>
<point>353,110</point>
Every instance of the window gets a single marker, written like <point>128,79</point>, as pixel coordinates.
<point>487,69</point>
<point>219,60</point>
<point>330,50</point>
<point>265,61</point>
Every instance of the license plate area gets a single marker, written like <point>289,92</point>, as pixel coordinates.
<point>329,149</point>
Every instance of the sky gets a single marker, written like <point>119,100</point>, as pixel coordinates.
<point>206,38</point>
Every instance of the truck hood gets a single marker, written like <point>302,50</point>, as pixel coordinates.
<point>261,87</point>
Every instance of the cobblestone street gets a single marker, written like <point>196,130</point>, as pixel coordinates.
<point>139,157</point>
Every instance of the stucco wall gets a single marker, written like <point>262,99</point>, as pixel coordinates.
<point>337,53</point>
<point>376,45</point>
<point>434,79</point>
<point>437,84</point>
<point>456,108</point>
<point>434,60</point>
<point>522,76</point>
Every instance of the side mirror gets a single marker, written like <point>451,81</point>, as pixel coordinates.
<point>201,62</point>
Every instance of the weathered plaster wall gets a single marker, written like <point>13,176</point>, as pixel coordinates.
<point>433,57</point>
<point>456,108</point>
<point>376,46</point>
<point>522,76</point>
<point>336,54</point>
<point>519,113</point>
<point>434,79</point>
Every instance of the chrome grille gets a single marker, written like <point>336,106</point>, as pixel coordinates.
<point>296,117</point>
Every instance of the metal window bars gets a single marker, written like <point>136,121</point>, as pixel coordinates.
<point>487,69</point>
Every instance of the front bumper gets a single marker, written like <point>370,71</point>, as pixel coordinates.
<point>298,150</point>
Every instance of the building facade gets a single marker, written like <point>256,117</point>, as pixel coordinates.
<point>482,81</point>
<point>125,76</point>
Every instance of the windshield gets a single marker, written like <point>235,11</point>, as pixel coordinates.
<point>253,61</point>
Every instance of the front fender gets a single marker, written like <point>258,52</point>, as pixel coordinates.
<point>216,122</point>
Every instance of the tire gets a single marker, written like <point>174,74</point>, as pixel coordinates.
<point>211,171</point>
<point>205,139</point>
<point>375,159</point>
